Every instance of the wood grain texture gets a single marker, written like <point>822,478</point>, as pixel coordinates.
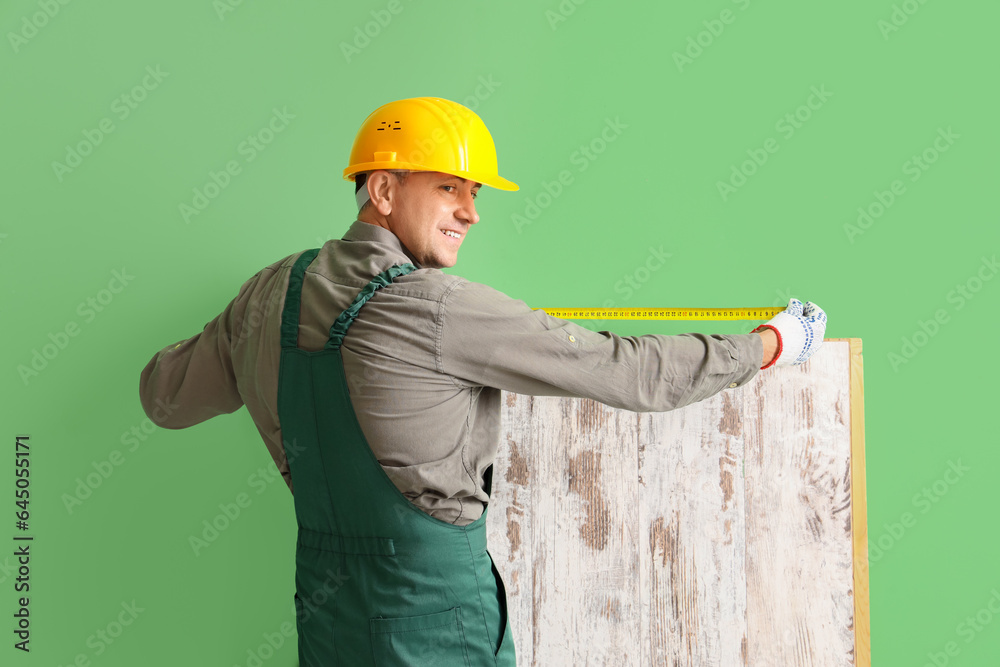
<point>859,514</point>
<point>721,533</point>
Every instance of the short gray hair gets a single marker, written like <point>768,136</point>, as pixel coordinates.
<point>362,178</point>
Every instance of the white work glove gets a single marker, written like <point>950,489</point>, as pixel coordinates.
<point>800,332</point>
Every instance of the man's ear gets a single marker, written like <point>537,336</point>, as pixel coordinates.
<point>380,191</point>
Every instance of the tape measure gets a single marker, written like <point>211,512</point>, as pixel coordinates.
<point>662,313</point>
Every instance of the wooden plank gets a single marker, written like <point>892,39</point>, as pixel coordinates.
<point>513,507</point>
<point>728,532</point>
<point>859,510</point>
<point>691,512</point>
<point>799,535</point>
<point>569,533</point>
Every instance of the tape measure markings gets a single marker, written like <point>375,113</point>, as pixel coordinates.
<point>663,313</point>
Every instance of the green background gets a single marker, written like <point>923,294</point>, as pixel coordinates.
<point>545,88</point>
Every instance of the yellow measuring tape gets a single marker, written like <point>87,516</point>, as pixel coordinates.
<point>662,313</point>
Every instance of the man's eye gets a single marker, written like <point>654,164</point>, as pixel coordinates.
<point>474,194</point>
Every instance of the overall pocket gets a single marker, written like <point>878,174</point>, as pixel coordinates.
<point>428,640</point>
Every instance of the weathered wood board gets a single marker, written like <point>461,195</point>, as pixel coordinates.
<point>729,532</point>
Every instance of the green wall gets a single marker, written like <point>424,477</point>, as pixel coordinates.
<point>841,105</point>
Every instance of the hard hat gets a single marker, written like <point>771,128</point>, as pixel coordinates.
<point>427,134</point>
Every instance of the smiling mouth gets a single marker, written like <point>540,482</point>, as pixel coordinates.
<point>457,238</point>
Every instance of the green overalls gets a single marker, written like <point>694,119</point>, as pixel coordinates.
<point>378,581</point>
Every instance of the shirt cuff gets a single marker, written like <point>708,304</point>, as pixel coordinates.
<point>749,357</point>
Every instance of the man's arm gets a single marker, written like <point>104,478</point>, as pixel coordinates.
<point>188,382</point>
<point>489,339</point>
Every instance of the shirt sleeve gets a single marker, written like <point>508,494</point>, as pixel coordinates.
<point>191,381</point>
<point>490,339</point>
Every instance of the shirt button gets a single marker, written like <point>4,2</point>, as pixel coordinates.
<point>732,384</point>
<point>571,339</point>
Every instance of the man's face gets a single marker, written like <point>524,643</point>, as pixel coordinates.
<point>426,205</point>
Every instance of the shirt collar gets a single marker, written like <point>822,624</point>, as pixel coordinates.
<point>365,231</point>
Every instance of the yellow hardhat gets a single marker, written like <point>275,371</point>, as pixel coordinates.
<point>427,134</point>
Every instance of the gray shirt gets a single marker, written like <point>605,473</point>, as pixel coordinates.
<point>425,361</point>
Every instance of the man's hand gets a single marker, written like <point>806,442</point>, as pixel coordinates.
<point>799,331</point>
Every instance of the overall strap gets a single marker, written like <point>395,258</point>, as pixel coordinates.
<point>293,298</point>
<point>339,328</point>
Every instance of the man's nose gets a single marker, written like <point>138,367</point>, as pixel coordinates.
<point>468,210</point>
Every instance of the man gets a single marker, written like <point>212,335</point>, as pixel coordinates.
<point>384,418</point>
